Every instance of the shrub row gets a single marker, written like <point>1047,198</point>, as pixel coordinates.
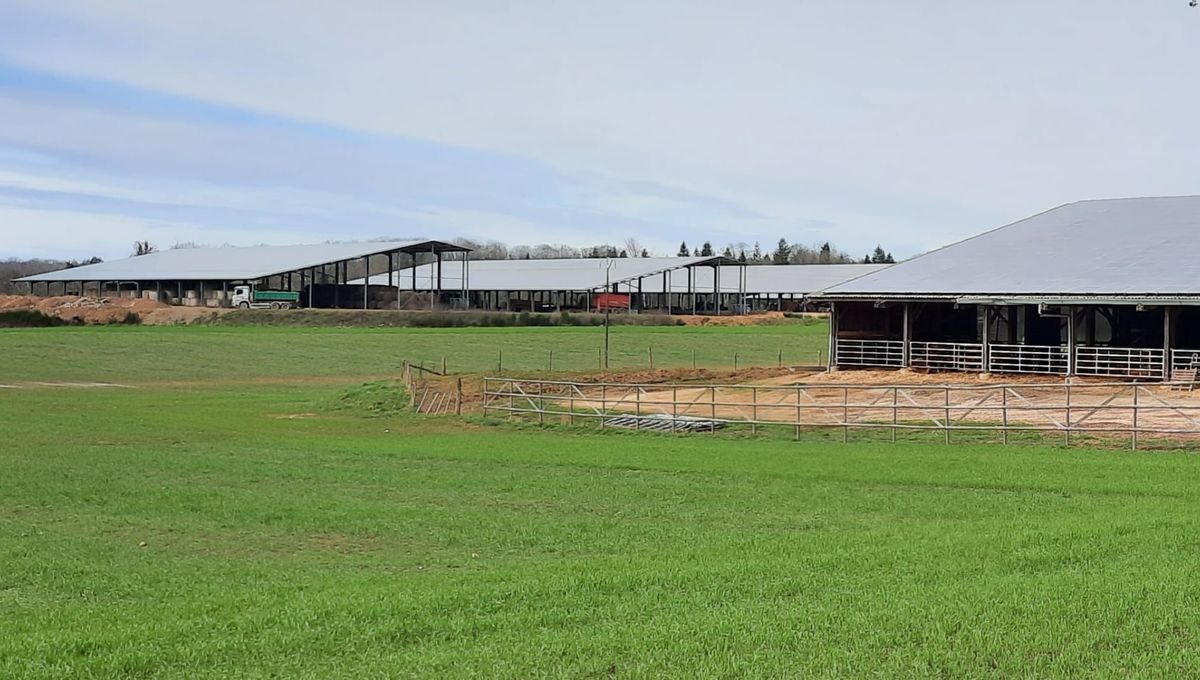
<point>32,318</point>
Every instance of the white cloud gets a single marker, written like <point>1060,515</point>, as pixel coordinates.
<point>894,122</point>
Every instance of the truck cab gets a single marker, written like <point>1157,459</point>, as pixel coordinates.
<point>247,296</point>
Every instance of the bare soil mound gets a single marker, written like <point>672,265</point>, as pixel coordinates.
<point>91,310</point>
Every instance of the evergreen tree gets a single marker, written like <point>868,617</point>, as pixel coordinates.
<point>756,255</point>
<point>683,250</point>
<point>826,253</point>
<point>782,254</point>
<point>866,259</point>
<point>728,252</point>
<point>706,250</point>
<point>889,259</point>
<point>879,256</point>
<point>695,252</point>
<point>624,253</point>
<point>644,253</point>
<point>742,257</point>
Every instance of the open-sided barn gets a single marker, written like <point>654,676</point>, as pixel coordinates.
<point>1101,288</point>
<point>684,284</point>
<point>320,273</point>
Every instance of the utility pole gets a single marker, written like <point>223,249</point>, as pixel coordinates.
<point>607,263</point>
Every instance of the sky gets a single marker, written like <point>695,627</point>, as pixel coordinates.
<point>907,124</point>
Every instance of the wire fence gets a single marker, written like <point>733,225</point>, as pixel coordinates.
<point>1099,409</point>
<point>648,358</point>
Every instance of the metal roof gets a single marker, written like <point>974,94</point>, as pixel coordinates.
<point>234,263</point>
<point>588,274</point>
<point>1116,247</point>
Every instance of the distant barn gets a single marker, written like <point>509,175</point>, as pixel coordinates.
<point>1094,288</point>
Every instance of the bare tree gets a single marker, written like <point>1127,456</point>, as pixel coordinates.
<point>633,247</point>
<point>143,248</point>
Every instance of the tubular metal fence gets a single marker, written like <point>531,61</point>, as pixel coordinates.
<point>880,353</point>
<point>1105,409</point>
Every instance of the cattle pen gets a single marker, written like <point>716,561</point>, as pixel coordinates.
<point>1102,409</point>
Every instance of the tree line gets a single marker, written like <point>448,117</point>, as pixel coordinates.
<point>784,252</point>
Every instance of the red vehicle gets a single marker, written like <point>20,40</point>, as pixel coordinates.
<point>611,302</point>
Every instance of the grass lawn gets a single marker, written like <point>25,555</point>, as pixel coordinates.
<point>178,353</point>
<point>238,528</point>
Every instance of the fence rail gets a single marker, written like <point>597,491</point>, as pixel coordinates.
<point>947,356</point>
<point>1045,359</point>
<point>1185,358</point>
<point>881,353</point>
<point>1120,362</point>
<point>426,396</point>
<point>1107,409</point>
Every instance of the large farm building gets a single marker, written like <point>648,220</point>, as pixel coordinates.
<point>439,274</point>
<point>1095,288</point>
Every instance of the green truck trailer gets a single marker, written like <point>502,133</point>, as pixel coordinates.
<point>248,297</point>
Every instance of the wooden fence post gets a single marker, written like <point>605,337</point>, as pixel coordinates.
<point>603,403</point>
<point>486,395</point>
<point>1067,436</point>
<point>712,409</point>
<point>895,411</point>
<point>458,397</point>
<point>798,388</point>
<point>1004,412</point>
<point>845,414</point>
<point>754,410</point>
<point>637,395</point>
<point>674,408</point>
<point>1135,417</point>
<point>947,388</point>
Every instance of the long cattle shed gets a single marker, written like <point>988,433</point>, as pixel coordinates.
<point>203,276</point>
<point>1094,288</point>
<point>660,284</point>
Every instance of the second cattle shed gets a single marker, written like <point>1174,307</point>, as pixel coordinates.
<point>1095,288</point>
<point>662,284</point>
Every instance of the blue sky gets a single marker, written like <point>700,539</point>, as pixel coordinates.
<point>908,124</point>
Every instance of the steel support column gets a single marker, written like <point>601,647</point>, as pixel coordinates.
<point>833,329</point>
<point>986,340</point>
<point>1071,311</point>
<point>1168,341</point>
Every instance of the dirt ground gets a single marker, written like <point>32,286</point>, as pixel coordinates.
<point>106,310</point>
<point>877,398</point>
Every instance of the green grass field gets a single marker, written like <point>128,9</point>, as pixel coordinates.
<point>188,353</point>
<point>225,518</point>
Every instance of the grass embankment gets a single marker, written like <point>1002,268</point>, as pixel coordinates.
<point>233,529</point>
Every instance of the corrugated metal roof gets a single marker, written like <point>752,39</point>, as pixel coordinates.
<point>231,263</point>
<point>1131,247</point>
<point>588,274</point>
